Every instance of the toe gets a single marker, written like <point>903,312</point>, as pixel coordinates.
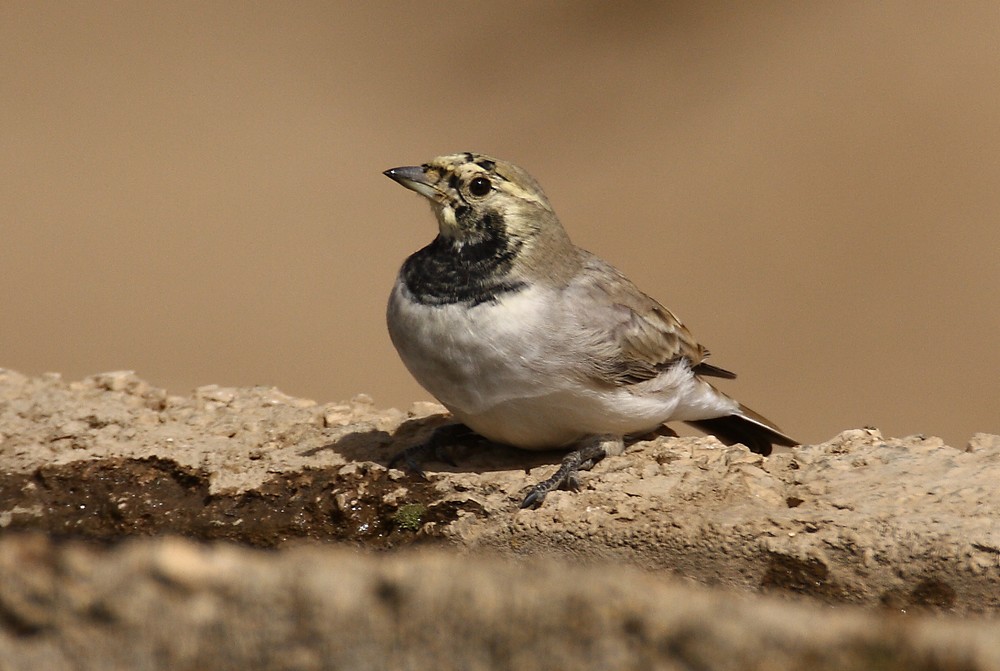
<point>533,499</point>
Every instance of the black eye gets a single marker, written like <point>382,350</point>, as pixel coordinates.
<point>480,186</point>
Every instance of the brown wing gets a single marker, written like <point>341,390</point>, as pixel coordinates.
<point>644,337</point>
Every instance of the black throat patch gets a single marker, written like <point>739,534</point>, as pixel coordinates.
<point>446,272</point>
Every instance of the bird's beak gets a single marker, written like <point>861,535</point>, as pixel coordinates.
<point>414,178</point>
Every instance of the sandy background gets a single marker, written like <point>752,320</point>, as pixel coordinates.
<point>193,191</point>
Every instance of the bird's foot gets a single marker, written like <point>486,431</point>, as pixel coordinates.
<point>582,459</point>
<point>439,447</point>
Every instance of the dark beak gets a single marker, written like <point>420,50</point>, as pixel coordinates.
<point>415,178</point>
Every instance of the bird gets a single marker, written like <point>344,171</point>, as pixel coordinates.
<point>535,343</point>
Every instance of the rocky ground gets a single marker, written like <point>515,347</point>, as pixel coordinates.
<point>859,552</point>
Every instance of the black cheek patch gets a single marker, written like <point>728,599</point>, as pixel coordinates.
<point>492,223</point>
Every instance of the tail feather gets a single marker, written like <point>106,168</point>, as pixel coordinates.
<point>747,427</point>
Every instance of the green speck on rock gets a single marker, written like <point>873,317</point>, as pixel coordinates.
<point>409,516</point>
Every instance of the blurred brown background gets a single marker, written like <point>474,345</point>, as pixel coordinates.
<point>193,190</point>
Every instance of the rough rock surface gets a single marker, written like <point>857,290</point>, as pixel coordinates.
<point>903,524</point>
<point>171,604</point>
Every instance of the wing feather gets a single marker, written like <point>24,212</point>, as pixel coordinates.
<point>634,338</point>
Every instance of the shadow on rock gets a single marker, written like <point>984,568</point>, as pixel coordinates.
<point>473,454</point>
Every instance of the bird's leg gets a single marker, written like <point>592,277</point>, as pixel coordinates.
<point>438,447</point>
<point>591,451</point>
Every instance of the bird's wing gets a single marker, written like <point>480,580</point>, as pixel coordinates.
<point>633,338</point>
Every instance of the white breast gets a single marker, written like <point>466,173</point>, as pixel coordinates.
<point>471,358</point>
<point>506,370</point>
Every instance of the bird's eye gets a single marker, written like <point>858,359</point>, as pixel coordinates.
<point>480,186</point>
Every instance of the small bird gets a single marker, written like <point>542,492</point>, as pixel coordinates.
<point>536,343</point>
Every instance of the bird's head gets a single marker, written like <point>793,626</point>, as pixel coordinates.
<point>482,200</point>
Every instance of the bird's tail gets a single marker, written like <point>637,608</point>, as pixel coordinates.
<point>747,427</point>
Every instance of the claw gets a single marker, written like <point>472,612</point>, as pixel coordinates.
<point>433,448</point>
<point>533,499</point>
<point>568,474</point>
<point>409,458</point>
